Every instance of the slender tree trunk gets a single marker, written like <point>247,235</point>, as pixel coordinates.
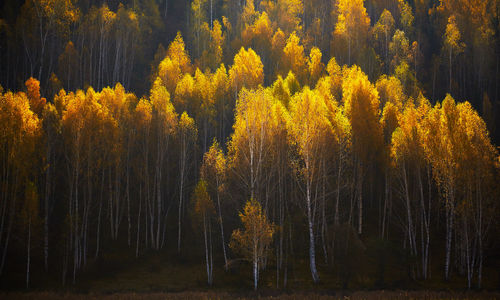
<point>138,222</point>
<point>255,270</point>
<point>99,215</point>
<point>480,236</point>
<point>324,226</point>
<point>207,259</point>
<point>46,210</point>
<point>360,200</point>
<point>450,71</point>
<point>409,225</point>
<point>29,255</point>
<point>221,223</point>
<point>337,200</point>
<point>312,252</point>
<point>449,231</point>
<point>128,191</point>
<point>181,186</point>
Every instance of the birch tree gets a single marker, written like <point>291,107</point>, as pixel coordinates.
<point>253,243</point>
<point>204,210</point>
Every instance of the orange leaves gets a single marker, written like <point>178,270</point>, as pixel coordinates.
<point>19,134</point>
<point>17,120</point>
<point>33,92</point>
<point>143,113</point>
<point>457,146</point>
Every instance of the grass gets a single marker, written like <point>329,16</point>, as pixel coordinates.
<point>369,295</point>
<point>117,274</point>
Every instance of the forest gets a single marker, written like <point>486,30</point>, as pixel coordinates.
<point>250,144</point>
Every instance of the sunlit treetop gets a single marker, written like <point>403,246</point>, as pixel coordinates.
<point>247,70</point>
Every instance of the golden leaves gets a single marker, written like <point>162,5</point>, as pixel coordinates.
<point>203,204</point>
<point>247,70</point>
<point>257,234</point>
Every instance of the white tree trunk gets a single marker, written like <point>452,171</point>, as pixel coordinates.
<point>312,251</point>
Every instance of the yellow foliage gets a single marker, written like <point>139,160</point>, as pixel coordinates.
<point>294,58</point>
<point>362,107</point>
<point>257,235</point>
<point>247,70</point>
<point>315,65</point>
<point>165,111</point>
<point>203,204</point>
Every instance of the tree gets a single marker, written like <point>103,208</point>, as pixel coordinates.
<point>247,71</point>
<point>127,31</point>
<point>187,132</point>
<point>391,90</point>
<point>143,115</point>
<point>399,48</point>
<point>352,24</point>
<point>213,172</point>
<point>440,145</point>
<point>362,108</point>
<point>67,67</point>
<point>407,153</point>
<point>31,221</point>
<point>165,120</point>
<point>213,57</point>
<point>382,31</point>
<point>452,42</point>
<point>455,135</point>
<point>253,243</point>
<point>277,45</point>
<point>249,148</point>
<point>33,92</point>
<point>18,135</point>
<point>309,128</point>
<point>204,209</point>
<point>294,58</point>
<point>51,122</point>
<point>50,18</point>
<point>198,17</point>
<point>287,14</point>
<point>175,64</point>
<point>316,67</point>
<point>406,18</point>
<point>223,105</point>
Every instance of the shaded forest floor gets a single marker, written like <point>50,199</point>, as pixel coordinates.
<point>395,295</point>
<point>117,274</point>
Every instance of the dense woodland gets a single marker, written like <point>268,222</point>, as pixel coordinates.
<point>279,133</point>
